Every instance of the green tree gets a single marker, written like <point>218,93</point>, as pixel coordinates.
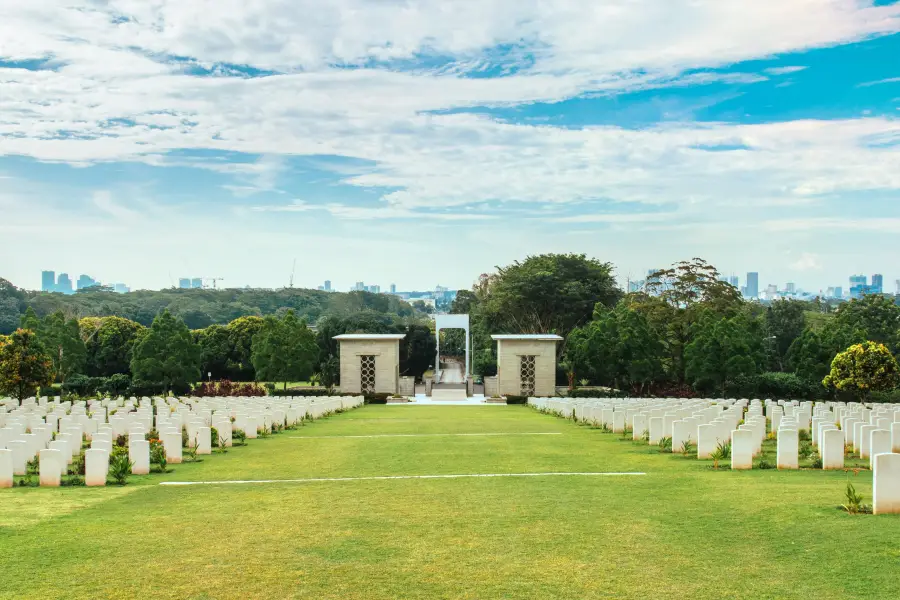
<point>284,350</point>
<point>876,315</point>
<point>30,321</point>
<point>549,293</point>
<point>785,322</point>
<point>617,348</point>
<point>863,368</point>
<point>722,351</point>
<point>240,338</point>
<point>24,365</point>
<point>215,351</point>
<point>811,354</point>
<point>110,342</point>
<point>166,356</point>
<point>330,372</point>
<point>62,340</point>
<point>12,302</point>
<point>417,351</point>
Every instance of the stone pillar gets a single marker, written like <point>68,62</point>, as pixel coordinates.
<point>6,468</point>
<point>139,454</point>
<point>742,449</point>
<point>879,443</point>
<point>172,444</point>
<point>886,484</point>
<point>204,440</point>
<point>96,467</point>
<point>832,449</point>
<point>50,461</point>
<point>788,448</point>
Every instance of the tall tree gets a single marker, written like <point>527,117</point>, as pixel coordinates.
<point>785,321</point>
<point>30,320</point>
<point>12,302</point>
<point>24,365</point>
<point>62,340</point>
<point>215,351</point>
<point>876,315</point>
<point>722,350</point>
<point>166,355</point>
<point>549,293</point>
<point>417,351</point>
<point>811,354</point>
<point>284,350</point>
<point>240,337</point>
<point>110,343</point>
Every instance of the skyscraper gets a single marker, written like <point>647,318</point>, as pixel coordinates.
<point>64,284</point>
<point>184,283</point>
<point>327,287</point>
<point>394,288</point>
<point>838,292</point>
<point>877,283</point>
<point>733,280</point>
<point>753,285</point>
<point>121,288</point>
<point>375,289</point>
<point>48,281</point>
<point>858,286</point>
<point>791,288</point>
<point>196,282</point>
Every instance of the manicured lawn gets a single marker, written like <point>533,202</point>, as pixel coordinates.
<point>681,531</point>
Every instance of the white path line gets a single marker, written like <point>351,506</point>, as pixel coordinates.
<point>393,477</point>
<point>394,435</point>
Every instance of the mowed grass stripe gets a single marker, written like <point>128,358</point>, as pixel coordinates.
<point>390,435</point>
<point>399,477</point>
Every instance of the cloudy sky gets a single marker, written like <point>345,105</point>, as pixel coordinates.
<point>426,141</point>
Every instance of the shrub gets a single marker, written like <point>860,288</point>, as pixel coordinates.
<point>595,393</point>
<point>687,448</point>
<point>238,437</point>
<point>665,444</point>
<point>764,464</point>
<point>517,399</point>
<point>77,467</point>
<point>120,468</point>
<point>816,461</point>
<point>889,397</point>
<point>225,387</point>
<point>779,386</point>
<point>376,398</point>
<point>302,392</point>
<point>214,437</point>
<point>158,455</point>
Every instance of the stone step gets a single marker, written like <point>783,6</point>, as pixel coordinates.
<point>445,394</point>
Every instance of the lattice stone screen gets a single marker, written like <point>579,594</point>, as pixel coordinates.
<point>526,375</point>
<point>367,374</point>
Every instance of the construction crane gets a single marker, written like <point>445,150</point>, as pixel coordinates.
<point>293,270</point>
<point>213,279</point>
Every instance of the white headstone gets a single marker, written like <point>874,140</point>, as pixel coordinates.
<point>96,467</point>
<point>139,454</point>
<point>788,449</point>
<point>886,484</point>
<point>879,443</point>
<point>742,445</point>
<point>50,473</point>
<point>832,449</point>
<point>6,468</point>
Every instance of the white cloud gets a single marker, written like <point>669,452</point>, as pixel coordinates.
<point>807,262</point>
<point>880,82</point>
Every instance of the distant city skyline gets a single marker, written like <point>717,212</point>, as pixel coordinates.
<point>63,283</point>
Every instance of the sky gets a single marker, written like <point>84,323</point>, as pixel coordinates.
<point>426,142</point>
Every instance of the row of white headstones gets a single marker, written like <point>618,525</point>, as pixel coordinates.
<point>54,431</point>
<point>872,430</point>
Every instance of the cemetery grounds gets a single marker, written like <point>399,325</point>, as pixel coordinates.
<point>680,530</point>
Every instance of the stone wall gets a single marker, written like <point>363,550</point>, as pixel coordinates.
<point>387,365</point>
<point>490,387</point>
<point>509,353</point>
<point>407,386</point>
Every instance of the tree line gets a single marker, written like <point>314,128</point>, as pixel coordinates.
<point>686,332</point>
<point>116,356</point>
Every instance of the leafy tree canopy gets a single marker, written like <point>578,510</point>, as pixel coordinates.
<point>863,368</point>
<point>166,355</point>
<point>24,365</point>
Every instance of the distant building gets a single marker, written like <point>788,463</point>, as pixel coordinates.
<point>375,289</point>
<point>48,281</point>
<point>196,282</point>
<point>859,287</point>
<point>752,289</point>
<point>184,283</point>
<point>121,288</point>
<point>85,281</point>
<point>877,283</point>
<point>64,284</point>
<point>838,292</point>
<point>327,286</point>
<point>359,287</point>
<point>394,287</point>
<point>733,280</point>
<point>791,288</point>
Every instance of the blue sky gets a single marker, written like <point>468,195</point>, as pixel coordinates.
<point>424,142</point>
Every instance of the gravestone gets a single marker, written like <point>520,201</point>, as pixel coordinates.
<point>788,449</point>
<point>886,484</point>
<point>832,449</point>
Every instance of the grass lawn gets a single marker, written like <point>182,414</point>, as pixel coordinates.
<point>681,531</point>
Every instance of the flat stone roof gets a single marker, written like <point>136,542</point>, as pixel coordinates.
<point>540,337</point>
<point>369,336</point>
